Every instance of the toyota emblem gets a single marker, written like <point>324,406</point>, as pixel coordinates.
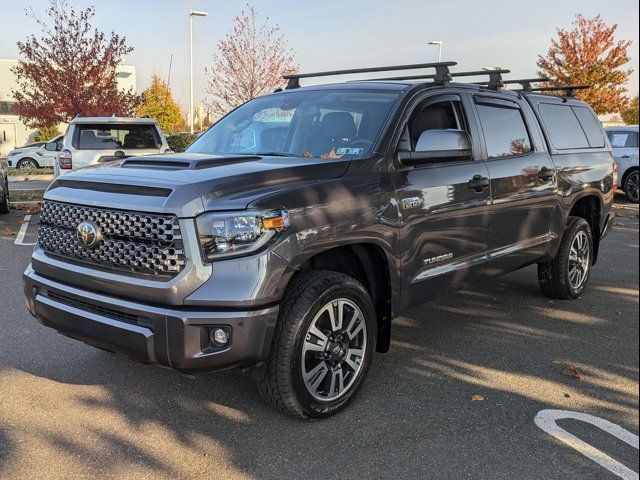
<point>88,234</point>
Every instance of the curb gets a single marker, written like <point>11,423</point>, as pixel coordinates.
<point>27,178</point>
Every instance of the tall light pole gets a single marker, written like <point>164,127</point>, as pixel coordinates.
<point>439,44</point>
<point>192,13</point>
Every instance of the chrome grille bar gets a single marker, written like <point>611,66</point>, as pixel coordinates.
<point>137,242</point>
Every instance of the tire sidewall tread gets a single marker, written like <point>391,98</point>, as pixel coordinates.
<point>282,383</point>
<point>553,276</point>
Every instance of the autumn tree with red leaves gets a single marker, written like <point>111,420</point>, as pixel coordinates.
<point>250,61</point>
<point>589,54</point>
<point>70,70</point>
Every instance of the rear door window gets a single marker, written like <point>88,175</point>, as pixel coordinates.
<point>590,126</point>
<point>622,139</point>
<point>113,137</point>
<point>505,132</point>
<point>562,126</point>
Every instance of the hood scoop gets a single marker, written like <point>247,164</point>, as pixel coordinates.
<point>178,162</point>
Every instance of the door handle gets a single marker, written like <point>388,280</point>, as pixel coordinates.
<point>625,156</point>
<point>478,183</point>
<point>545,174</point>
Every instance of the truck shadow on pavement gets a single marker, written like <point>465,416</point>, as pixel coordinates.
<point>95,413</point>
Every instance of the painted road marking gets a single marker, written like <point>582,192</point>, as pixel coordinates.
<point>23,231</point>
<point>547,421</point>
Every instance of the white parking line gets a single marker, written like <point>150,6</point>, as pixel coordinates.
<point>23,231</point>
<point>547,421</point>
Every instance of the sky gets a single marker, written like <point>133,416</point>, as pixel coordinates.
<point>335,34</point>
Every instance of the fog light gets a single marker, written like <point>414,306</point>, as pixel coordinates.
<point>219,336</point>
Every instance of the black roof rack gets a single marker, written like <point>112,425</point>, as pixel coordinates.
<point>442,74</point>
<point>570,89</point>
<point>495,77</point>
<point>525,83</point>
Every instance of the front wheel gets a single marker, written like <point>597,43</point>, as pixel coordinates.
<point>27,163</point>
<point>322,346</point>
<point>631,186</point>
<point>566,276</point>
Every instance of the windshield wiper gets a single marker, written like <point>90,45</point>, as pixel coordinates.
<point>276,154</point>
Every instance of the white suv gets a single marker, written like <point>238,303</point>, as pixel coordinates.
<point>36,155</point>
<point>93,140</point>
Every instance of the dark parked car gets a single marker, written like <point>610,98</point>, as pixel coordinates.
<point>4,189</point>
<point>290,234</point>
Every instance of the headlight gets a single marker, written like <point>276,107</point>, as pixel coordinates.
<point>14,153</point>
<point>224,235</point>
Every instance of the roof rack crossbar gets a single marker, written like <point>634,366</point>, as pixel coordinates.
<point>525,83</point>
<point>495,77</point>
<point>442,72</point>
<point>570,89</point>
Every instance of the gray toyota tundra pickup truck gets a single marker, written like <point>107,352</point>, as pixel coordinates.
<point>289,235</point>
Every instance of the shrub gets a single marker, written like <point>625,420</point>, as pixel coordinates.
<point>45,134</point>
<point>180,141</point>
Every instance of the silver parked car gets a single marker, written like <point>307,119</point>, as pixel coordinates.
<point>94,140</point>
<point>624,141</point>
<point>36,155</point>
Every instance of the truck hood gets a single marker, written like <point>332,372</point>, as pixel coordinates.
<point>187,184</point>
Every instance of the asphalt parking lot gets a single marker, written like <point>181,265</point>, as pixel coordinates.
<point>69,410</point>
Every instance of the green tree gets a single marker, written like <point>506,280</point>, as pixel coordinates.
<point>158,103</point>
<point>45,134</point>
<point>630,112</point>
<point>590,54</point>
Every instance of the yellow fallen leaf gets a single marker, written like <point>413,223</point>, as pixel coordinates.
<point>9,232</point>
<point>476,398</point>
<point>571,372</point>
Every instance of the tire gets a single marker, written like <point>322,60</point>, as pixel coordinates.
<point>4,202</point>
<point>27,163</point>
<point>289,382</point>
<point>631,183</point>
<point>566,276</point>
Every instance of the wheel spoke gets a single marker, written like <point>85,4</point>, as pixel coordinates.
<point>354,358</point>
<point>314,378</point>
<point>335,316</point>
<point>337,382</point>
<point>355,326</point>
<point>311,344</point>
<point>573,274</point>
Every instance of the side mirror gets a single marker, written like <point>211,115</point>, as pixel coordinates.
<point>438,146</point>
<point>51,146</point>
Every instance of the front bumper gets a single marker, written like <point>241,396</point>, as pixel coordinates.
<point>174,337</point>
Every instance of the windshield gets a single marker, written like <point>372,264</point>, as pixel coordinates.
<point>317,124</point>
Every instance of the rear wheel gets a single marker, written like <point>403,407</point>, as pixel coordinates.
<point>27,163</point>
<point>322,346</point>
<point>566,276</point>
<point>4,201</point>
<point>631,185</point>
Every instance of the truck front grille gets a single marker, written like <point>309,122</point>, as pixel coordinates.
<point>136,242</point>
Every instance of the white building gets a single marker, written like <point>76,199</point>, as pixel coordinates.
<point>14,133</point>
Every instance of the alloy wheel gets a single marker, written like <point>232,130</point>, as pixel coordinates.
<point>333,350</point>
<point>26,164</point>
<point>579,260</point>
<point>631,187</point>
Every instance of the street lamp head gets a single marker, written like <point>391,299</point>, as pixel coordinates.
<point>197,13</point>
<point>435,42</point>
